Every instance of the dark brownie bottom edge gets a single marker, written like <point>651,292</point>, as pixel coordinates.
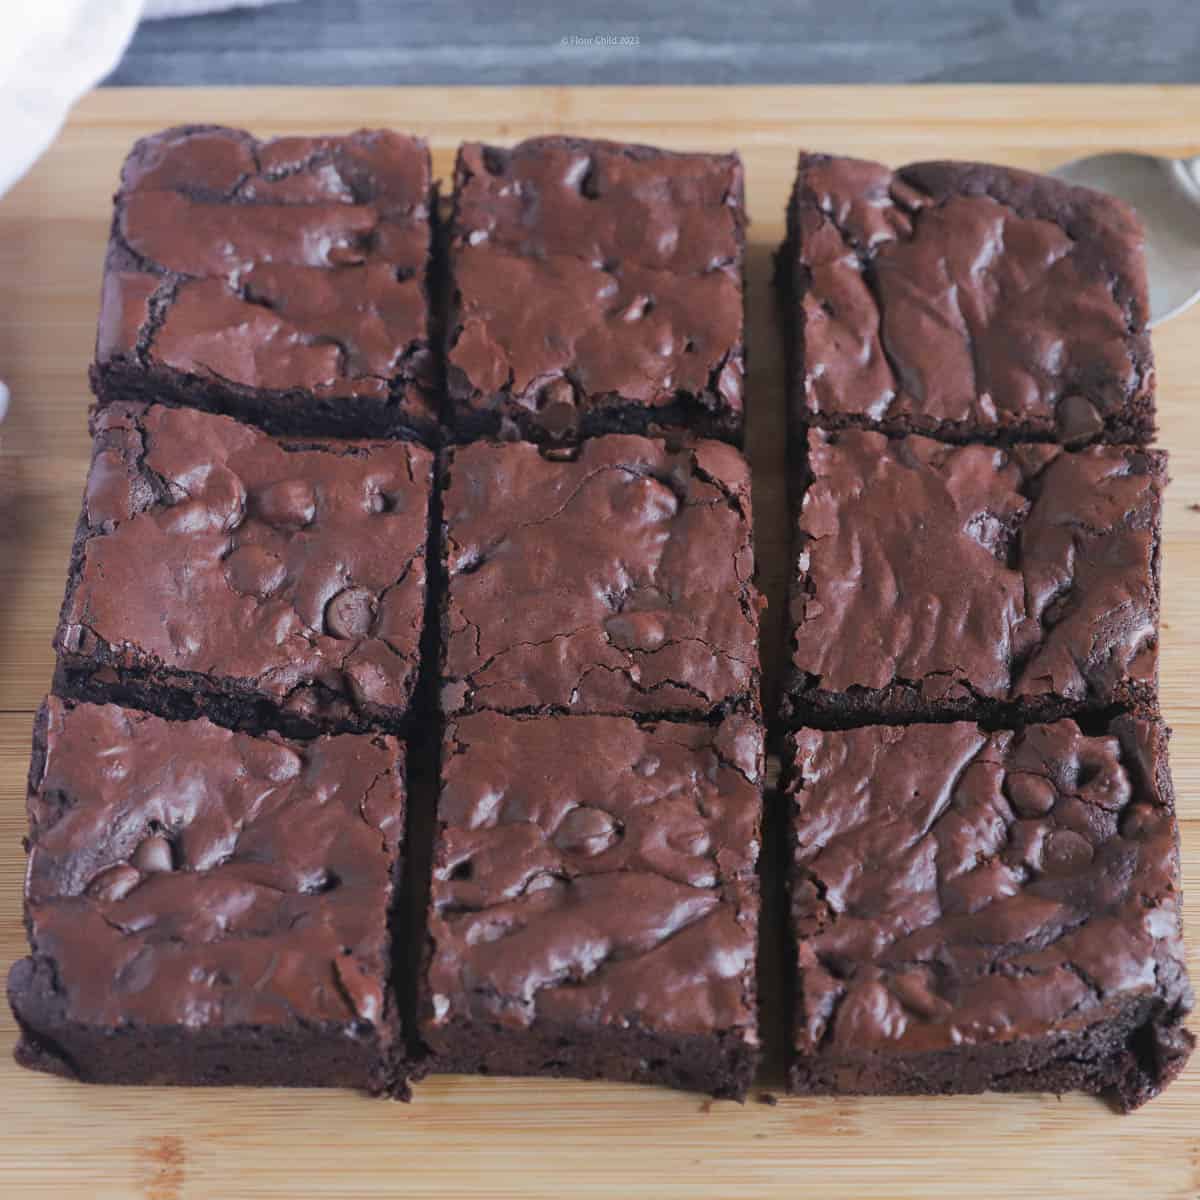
<point>903,704</point>
<point>686,415</point>
<point>722,1064</point>
<point>302,1055</point>
<point>745,706</point>
<point>1128,1059</point>
<point>180,696</point>
<point>1133,426</point>
<point>282,414</point>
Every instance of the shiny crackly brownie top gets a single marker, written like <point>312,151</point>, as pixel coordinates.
<point>183,874</point>
<point>627,261</point>
<point>619,581</point>
<point>953,887</point>
<point>295,571</point>
<point>961,299</point>
<point>592,872</point>
<point>297,263</point>
<point>977,571</point>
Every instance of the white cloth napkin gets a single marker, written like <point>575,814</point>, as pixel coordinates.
<point>189,8</point>
<point>48,59</point>
<point>58,50</point>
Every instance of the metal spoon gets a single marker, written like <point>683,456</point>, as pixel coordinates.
<point>1166,194</point>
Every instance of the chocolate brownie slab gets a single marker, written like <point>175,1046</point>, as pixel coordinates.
<point>283,282</point>
<point>220,571</point>
<point>935,580</point>
<point>595,288</point>
<point>978,911</point>
<point>618,581</point>
<point>964,301</point>
<point>208,907</point>
<point>594,901</point>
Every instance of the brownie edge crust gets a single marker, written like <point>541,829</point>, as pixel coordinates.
<point>979,911</point>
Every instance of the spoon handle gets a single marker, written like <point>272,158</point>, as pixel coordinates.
<point>1192,167</point>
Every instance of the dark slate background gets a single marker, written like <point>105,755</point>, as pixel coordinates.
<point>698,42</point>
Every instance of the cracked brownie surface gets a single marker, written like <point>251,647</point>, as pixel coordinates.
<point>281,281</point>
<point>218,570</point>
<point>205,906</point>
<point>628,264</point>
<point>980,910</point>
<point>619,581</point>
<point>594,901</point>
<point>965,301</point>
<point>937,580</point>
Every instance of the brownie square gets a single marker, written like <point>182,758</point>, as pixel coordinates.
<point>986,911</point>
<point>965,301</point>
<point>207,907</point>
<point>282,282</point>
<point>627,262</point>
<point>618,581</point>
<point>936,580</point>
<point>594,901</point>
<point>219,571</point>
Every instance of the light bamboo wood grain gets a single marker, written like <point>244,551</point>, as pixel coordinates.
<point>530,1138</point>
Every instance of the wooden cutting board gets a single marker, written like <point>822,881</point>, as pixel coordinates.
<point>532,1138</point>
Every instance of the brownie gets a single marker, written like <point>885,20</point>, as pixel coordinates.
<point>965,301</point>
<point>990,582</point>
<point>617,581</point>
<point>208,907</point>
<point>627,262</point>
<point>594,902</point>
<point>978,911</point>
<point>282,282</point>
<point>219,571</point>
